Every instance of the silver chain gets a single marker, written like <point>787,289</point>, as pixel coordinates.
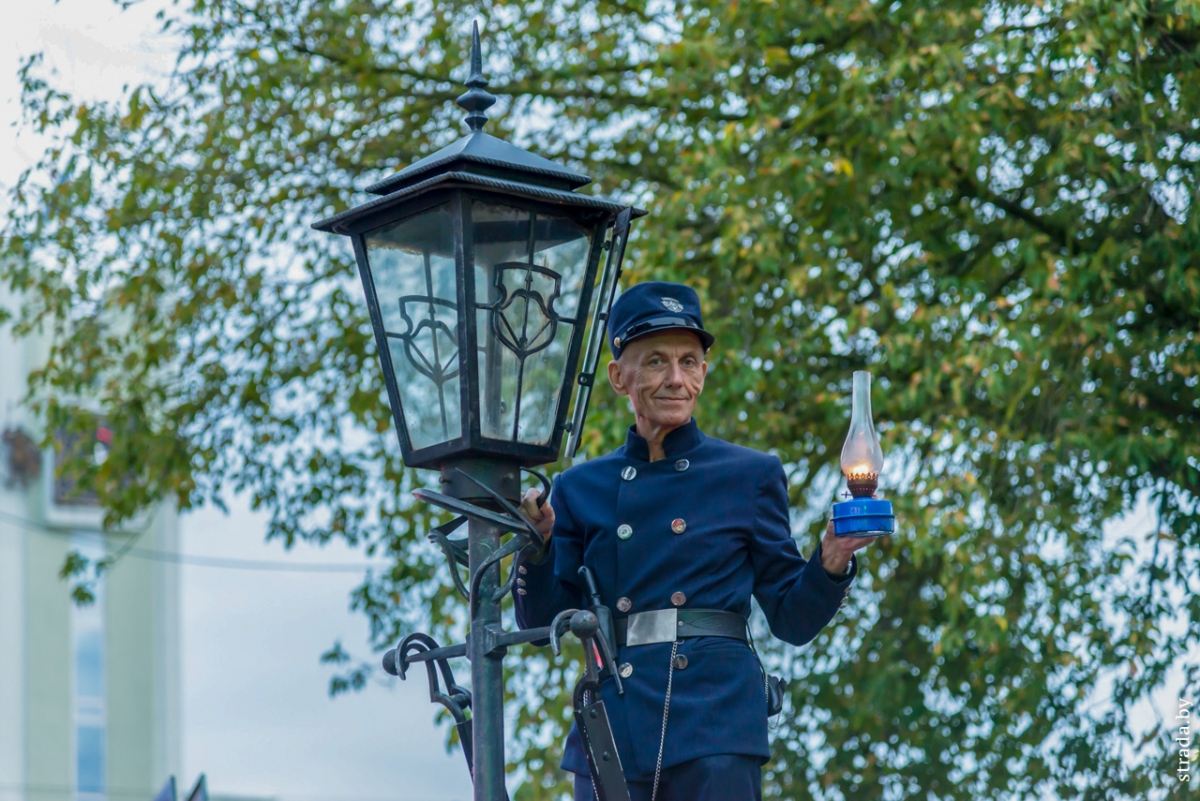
<point>666,708</point>
<point>587,699</point>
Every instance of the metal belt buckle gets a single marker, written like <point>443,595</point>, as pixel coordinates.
<point>647,628</point>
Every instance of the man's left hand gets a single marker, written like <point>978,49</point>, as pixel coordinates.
<point>836,551</point>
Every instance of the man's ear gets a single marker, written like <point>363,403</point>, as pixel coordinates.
<point>616,379</point>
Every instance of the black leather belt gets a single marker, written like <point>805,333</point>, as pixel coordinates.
<point>668,625</point>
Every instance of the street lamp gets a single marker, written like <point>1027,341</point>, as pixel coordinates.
<point>481,266</point>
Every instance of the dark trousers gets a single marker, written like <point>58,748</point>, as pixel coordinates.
<point>722,777</point>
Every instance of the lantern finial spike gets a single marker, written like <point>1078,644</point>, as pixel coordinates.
<point>476,55</point>
<point>476,100</point>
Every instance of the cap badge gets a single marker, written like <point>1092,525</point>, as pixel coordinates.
<point>672,305</point>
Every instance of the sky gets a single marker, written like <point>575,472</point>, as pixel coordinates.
<point>258,720</point>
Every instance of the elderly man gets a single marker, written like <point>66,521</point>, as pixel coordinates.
<point>677,520</point>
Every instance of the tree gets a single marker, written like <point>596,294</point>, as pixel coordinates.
<point>990,207</point>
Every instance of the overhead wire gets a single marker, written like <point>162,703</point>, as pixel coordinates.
<point>198,560</point>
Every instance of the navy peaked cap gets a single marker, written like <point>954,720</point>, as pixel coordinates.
<point>654,306</point>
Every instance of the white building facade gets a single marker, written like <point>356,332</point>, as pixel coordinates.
<point>89,695</point>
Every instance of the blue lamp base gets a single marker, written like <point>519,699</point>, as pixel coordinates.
<point>864,517</point>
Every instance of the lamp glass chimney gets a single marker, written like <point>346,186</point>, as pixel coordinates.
<point>862,457</point>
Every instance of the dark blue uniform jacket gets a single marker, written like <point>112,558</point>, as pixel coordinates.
<point>737,542</point>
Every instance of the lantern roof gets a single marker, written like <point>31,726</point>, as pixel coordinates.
<point>485,155</point>
<point>344,223</point>
<point>479,152</point>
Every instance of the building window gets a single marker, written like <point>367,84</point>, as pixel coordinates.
<point>72,451</point>
<point>89,685</point>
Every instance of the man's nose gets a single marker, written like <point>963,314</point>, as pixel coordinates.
<point>675,375</point>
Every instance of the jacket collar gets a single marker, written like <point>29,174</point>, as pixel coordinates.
<point>675,443</point>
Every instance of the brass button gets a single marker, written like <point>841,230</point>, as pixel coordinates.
<point>679,525</point>
<point>522,570</point>
<point>624,604</point>
<point>521,591</point>
<point>682,464</point>
<point>680,662</point>
<point>617,341</point>
<point>520,582</point>
<point>624,531</point>
<point>629,473</point>
<point>678,598</point>
<point>626,670</point>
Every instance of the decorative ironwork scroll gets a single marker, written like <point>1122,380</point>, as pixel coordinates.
<point>527,342</point>
<point>536,322</point>
<point>455,698</point>
<point>437,368</point>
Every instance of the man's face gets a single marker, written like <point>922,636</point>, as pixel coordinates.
<point>662,374</point>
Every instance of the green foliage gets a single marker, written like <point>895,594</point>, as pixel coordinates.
<point>992,207</point>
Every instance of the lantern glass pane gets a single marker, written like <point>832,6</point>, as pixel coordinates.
<point>529,271</point>
<point>412,268</point>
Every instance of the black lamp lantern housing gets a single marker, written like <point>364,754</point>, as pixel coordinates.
<point>482,272</point>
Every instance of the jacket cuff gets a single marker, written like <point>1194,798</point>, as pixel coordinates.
<point>834,579</point>
<point>546,560</point>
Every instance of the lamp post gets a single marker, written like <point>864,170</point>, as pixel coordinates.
<point>482,271</point>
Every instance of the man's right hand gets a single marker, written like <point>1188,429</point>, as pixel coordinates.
<point>542,519</point>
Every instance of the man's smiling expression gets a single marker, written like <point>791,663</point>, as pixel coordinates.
<point>662,374</point>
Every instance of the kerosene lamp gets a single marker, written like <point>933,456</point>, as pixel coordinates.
<point>863,515</point>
